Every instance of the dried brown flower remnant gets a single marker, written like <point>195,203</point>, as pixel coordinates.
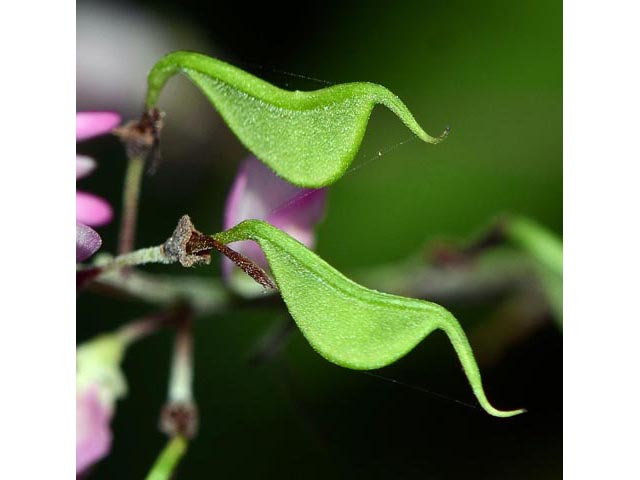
<point>141,138</point>
<point>180,418</point>
<point>187,245</point>
<point>191,247</point>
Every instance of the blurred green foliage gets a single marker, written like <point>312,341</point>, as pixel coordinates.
<point>493,72</point>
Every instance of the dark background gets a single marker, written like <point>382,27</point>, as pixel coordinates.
<point>493,71</point>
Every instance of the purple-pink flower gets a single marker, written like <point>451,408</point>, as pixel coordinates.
<point>93,432</point>
<point>99,384</point>
<point>258,193</point>
<point>91,210</point>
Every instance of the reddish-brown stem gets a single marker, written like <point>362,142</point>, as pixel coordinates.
<point>246,265</point>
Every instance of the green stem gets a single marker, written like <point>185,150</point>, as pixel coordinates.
<point>490,276</point>
<point>132,259</point>
<point>181,374</point>
<point>137,330</point>
<point>204,295</point>
<point>168,460</point>
<point>179,415</point>
<point>130,199</point>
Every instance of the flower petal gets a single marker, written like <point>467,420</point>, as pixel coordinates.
<point>87,242</point>
<point>258,193</point>
<point>91,124</point>
<point>300,215</point>
<point>93,435</point>
<point>92,210</point>
<point>84,166</point>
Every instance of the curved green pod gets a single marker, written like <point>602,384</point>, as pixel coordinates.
<point>308,138</point>
<point>346,323</point>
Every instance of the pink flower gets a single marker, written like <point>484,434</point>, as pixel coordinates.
<point>93,434</point>
<point>257,193</point>
<point>99,384</point>
<point>91,211</point>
